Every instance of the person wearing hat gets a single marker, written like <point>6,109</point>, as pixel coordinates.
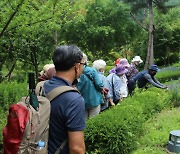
<point>120,61</point>
<point>117,84</point>
<point>117,61</point>
<point>100,65</point>
<point>132,69</point>
<point>47,73</point>
<point>144,77</point>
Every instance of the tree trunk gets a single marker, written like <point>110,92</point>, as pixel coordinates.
<point>11,70</point>
<point>34,62</point>
<point>150,52</point>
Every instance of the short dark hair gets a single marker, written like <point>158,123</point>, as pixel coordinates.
<point>66,56</point>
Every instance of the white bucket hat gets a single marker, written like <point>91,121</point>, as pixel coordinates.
<point>138,59</point>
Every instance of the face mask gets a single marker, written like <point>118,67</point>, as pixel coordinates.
<point>102,72</point>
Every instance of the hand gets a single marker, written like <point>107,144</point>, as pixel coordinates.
<point>165,87</point>
<point>105,91</point>
<point>112,104</point>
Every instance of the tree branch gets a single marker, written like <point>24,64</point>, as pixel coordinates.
<point>44,20</point>
<point>11,17</point>
<point>8,75</point>
<point>139,23</point>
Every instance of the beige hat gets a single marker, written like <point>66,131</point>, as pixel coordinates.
<point>137,58</point>
<point>47,67</point>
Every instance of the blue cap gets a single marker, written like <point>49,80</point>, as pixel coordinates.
<point>154,68</point>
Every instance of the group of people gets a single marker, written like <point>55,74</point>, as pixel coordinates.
<point>97,92</point>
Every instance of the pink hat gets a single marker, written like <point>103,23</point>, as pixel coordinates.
<point>120,70</point>
<point>124,62</point>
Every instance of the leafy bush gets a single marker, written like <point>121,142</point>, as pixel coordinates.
<point>110,132</point>
<point>174,89</point>
<point>108,68</point>
<point>118,129</point>
<point>11,92</point>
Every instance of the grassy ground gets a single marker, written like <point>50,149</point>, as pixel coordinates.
<point>156,138</point>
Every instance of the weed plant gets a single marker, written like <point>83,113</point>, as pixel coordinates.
<point>174,90</point>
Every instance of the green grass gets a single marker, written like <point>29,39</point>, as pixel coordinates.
<point>157,132</point>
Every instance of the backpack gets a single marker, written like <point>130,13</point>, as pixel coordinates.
<point>27,128</point>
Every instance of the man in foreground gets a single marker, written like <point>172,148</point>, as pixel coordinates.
<point>67,119</point>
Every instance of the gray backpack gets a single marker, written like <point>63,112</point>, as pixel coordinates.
<point>36,129</point>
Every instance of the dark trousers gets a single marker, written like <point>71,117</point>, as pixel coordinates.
<point>131,86</point>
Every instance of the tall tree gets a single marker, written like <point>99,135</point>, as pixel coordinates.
<point>30,35</point>
<point>103,26</point>
<point>137,7</point>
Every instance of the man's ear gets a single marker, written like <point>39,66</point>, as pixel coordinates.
<point>76,67</point>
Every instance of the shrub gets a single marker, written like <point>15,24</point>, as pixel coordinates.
<point>108,68</point>
<point>11,92</point>
<point>118,129</point>
<point>174,89</point>
<point>112,131</point>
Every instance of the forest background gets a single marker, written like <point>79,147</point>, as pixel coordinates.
<point>106,29</point>
<point>30,30</point>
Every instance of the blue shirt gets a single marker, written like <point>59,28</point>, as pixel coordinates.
<point>144,77</point>
<point>105,82</point>
<point>67,114</point>
<point>114,84</point>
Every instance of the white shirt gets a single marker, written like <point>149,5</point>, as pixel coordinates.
<point>123,86</point>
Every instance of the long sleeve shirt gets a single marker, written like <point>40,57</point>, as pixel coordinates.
<point>90,87</point>
<point>144,77</point>
<point>132,71</point>
<point>114,86</point>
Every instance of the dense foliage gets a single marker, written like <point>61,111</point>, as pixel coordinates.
<point>30,30</point>
<point>118,130</point>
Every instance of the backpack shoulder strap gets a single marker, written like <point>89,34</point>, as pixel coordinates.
<point>59,90</point>
<point>39,88</point>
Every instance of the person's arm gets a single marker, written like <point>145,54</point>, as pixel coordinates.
<point>98,83</point>
<point>75,123</point>
<point>111,102</point>
<point>116,83</point>
<point>155,80</point>
<point>149,78</point>
<point>76,142</point>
